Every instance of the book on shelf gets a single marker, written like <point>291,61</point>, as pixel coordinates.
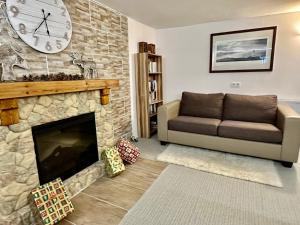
<point>153,109</point>
<point>153,124</point>
<point>152,67</point>
<point>152,91</point>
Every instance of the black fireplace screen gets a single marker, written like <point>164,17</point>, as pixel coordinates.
<point>65,147</point>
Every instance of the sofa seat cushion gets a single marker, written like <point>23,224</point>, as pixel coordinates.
<point>261,132</point>
<point>257,109</point>
<point>202,105</point>
<point>196,125</point>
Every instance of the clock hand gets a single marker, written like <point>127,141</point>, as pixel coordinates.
<point>45,19</point>
<point>39,25</point>
<point>47,27</point>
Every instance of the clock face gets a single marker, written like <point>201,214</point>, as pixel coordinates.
<point>45,25</point>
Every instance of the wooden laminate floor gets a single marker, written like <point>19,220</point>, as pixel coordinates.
<point>107,200</point>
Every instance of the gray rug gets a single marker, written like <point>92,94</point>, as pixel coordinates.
<point>184,196</point>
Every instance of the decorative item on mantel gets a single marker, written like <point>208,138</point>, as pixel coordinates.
<point>10,51</point>
<point>53,77</point>
<point>88,66</point>
<point>11,57</point>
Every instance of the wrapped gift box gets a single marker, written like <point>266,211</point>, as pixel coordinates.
<point>113,162</point>
<point>128,151</point>
<point>52,201</point>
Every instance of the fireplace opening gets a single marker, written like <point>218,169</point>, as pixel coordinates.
<point>65,147</point>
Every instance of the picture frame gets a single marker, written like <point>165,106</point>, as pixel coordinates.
<point>250,50</point>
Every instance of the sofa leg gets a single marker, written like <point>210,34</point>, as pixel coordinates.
<point>287,164</point>
<point>163,143</point>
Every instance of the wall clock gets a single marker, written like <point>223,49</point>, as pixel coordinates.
<point>45,25</point>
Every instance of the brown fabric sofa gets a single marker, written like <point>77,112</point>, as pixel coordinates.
<point>242,124</point>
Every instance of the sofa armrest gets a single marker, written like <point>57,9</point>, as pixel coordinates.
<point>288,121</point>
<point>165,113</point>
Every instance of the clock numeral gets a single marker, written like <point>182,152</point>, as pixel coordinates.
<point>66,36</point>
<point>63,11</point>
<point>48,46</point>
<point>22,28</point>
<point>14,10</point>
<point>68,25</point>
<point>58,44</point>
<point>36,42</point>
<point>21,1</point>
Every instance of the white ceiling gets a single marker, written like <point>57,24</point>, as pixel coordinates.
<point>175,13</point>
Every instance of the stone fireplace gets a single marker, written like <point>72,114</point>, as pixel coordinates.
<point>102,35</point>
<point>17,154</point>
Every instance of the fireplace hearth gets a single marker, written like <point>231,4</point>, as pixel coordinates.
<point>65,147</point>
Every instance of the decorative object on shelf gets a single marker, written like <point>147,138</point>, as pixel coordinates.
<point>151,48</point>
<point>153,124</point>
<point>143,47</point>
<point>113,162</point>
<point>52,202</point>
<point>88,66</point>
<point>128,151</point>
<point>10,51</point>
<point>152,90</point>
<point>249,50</point>
<point>152,109</point>
<point>153,67</point>
<point>46,27</point>
<point>52,77</point>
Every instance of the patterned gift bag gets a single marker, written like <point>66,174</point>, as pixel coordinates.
<point>128,151</point>
<point>52,202</point>
<point>113,162</point>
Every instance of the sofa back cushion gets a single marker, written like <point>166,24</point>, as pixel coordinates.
<point>259,109</point>
<point>202,105</point>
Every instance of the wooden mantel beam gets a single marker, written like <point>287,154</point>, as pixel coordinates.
<point>10,92</point>
<point>28,89</point>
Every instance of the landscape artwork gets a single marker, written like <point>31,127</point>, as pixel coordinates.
<point>243,51</point>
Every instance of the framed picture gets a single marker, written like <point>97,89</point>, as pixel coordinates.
<point>243,51</point>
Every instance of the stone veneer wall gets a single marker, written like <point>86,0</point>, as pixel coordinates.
<point>99,33</point>
<point>19,173</point>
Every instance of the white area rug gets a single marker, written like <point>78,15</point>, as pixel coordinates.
<point>226,164</point>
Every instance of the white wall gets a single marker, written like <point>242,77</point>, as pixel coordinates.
<point>186,59</point>
<point>136,32</point>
